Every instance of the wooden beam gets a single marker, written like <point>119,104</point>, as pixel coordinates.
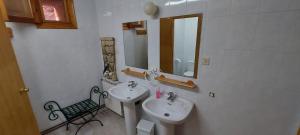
<point>298,131</point>
<point>141,32</point>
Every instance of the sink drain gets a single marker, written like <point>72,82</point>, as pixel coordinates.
<point>167,114</point>
<point>128,98</point>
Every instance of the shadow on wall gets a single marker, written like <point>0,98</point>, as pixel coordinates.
<point>192,123</point>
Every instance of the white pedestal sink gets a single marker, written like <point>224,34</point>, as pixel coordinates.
<point>129,96</point>
<point>167,112</point>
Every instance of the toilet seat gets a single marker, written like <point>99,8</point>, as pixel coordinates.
<point>188,74</point>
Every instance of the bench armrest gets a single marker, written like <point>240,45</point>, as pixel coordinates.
<point>53,107</point>
<point>96,90</point>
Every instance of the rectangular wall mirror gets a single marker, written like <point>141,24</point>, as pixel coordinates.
<point>136,44</point>
<point>179,44</point>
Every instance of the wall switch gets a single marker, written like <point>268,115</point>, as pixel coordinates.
<point>205,61</point>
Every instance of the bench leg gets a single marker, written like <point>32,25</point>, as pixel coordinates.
<point>67,127</point>
<point>87,123</point>
<point>99,122</point>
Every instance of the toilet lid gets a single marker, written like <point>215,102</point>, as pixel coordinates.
<point>188,74</point>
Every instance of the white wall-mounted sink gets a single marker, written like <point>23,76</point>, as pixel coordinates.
<point>127,94</point>
<point>168,112</point>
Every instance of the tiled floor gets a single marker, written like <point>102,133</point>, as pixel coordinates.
<point>113,125</point>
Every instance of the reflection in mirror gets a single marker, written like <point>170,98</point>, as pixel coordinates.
<point>136,44</point>
<point>54,10</point>
<point>179,45</point>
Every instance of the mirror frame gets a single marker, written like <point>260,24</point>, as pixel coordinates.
<point>198,40</point>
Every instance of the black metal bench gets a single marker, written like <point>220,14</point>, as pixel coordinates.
<point>81,109</point>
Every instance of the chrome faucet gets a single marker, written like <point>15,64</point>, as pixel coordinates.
<point>132,84</point>
<point>171,96</point>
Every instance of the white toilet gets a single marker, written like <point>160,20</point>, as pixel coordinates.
<point>178,67</point>
<point>189,69</point>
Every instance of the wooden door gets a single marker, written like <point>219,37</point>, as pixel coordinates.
<point>3,10</point>
<point>166,44</point>
<point>16,116</point>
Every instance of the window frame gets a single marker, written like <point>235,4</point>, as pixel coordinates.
<point>70,14</point>
<point>34,11</point>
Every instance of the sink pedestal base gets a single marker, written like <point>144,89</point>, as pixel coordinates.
<point>130,118</point>
<point>165,129</point>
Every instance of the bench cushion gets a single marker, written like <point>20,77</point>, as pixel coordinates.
<point>80,108</point>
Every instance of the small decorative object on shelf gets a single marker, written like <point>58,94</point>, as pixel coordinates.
<point>128,71</point>
<point>189,84</point>
<point>109,57</point>
<point>151,75</point>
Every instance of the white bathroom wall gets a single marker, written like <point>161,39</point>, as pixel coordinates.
<point>179,33</point>
<point>59,64</point>
<point>254,71</point>
<point>190,38</point>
